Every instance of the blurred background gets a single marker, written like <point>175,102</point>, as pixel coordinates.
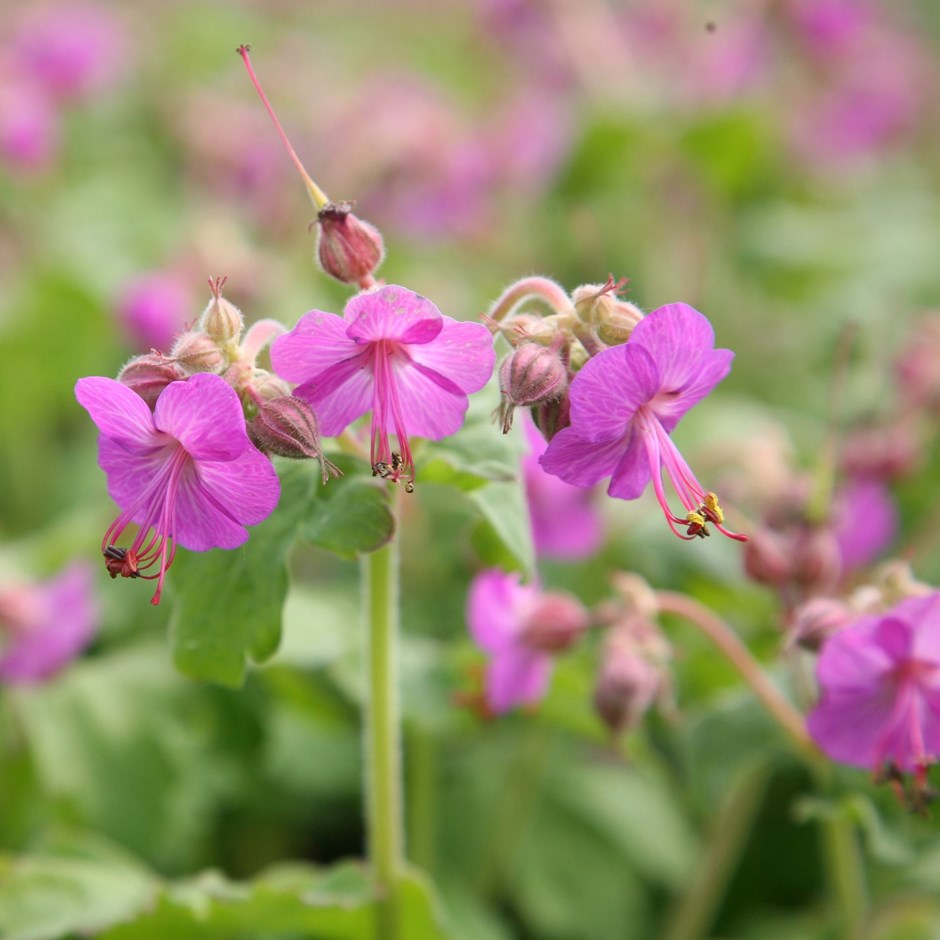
<point>773,163</point>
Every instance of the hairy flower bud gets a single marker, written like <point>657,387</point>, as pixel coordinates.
<point>221,320</point>
<point>529,375</point>
<point>149,375</point>
<point>198,352</point>
<point>552,416</point>
<point>348,248</point>
<point>288,427</point>
<point>554,623</point>
<point>269,386</point>
<point>818,619</point>
<point>611,319</point>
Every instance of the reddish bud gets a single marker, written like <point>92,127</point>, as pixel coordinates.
<point>530,374</point>
<point>817,620</point>
<point>348,248</point>
<point>552,416</point>
<point>221,320</point>
<point>554,623</point>
<point>198,352</point>
<point>288,427</point>
<point>149,375</point>
<point>768,558</point>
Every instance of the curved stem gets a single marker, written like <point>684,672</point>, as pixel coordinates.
<point>727,641</point>
<point>383,765</point>
<point>537,288</point>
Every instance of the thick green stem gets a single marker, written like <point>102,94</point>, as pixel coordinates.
<point>383,737</point>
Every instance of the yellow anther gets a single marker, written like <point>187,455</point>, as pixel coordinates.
<point>695,518</point>
<point>711,504</point>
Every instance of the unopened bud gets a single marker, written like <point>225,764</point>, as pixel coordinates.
<point>269,386</point>
<point>554,623</point>
<point>768,558</point>
<point>611,319</point>
<point>552,416</point>
<point>198,352</point>
<point>288,427</point>
<point>221,320</point>
<point>817,620</point>
<point>896,582</point>
<point>818,561</point>
<point>530,374</point>
<point>348,248</point>
<point>149,375</point>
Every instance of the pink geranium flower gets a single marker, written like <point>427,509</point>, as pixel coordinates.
<point>626,400</point>
<point>45,626</point>
<point>880,681</point>
<point>392,353</point>
<point>185,473</point>
<point>520,626</point>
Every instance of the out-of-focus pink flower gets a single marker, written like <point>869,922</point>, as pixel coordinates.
<point>185,473</point>
<point>392,353</point>
<point>153,308</point>
<point>520,626</point>
<point>880,682</point>
<point>565,524</point>
<point>828,26</point>
<point>864,522</point>
<point>46,625</point>
<point>69,49</point>
<point>29,126</point>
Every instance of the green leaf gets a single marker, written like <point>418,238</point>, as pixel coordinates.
<point>229,603</point>
<point>80,885</point>
<point>349,517</point>
<point>504,537</point>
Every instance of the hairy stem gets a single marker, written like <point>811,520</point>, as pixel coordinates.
<point>531,288</point>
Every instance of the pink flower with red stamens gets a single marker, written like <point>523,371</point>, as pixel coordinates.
<point>626,400</point>
<point>880,680</point>
<point>392,353</point>
<point>184,474</point>
<point>520,626</point>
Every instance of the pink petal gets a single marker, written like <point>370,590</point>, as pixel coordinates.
<point>609,389</point>
<point>341,394</point>
<point>517,676</point>
<point>848,727</point>
<point>673,402</point>
<point>205,416</point>
<point>120,414</point>
<point>392,313</point>
<point>581,462</point>
<point>492,608</point>
<point>428,410</point>
<point>852,659</point>
<point>924,615</point>
<point>632,474</point>
<point>132,474</point>
<point>316,343</point>
<point>675,335</point>
<point>220,498</point>
<point>463,353</point>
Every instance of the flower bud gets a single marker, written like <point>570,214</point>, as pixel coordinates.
<point>555,621</point>
<point>632,674</point>
<point>530,374</point>
<point>552,416</point>
<point>288,427</point>
<point>817,560</point>
<point>612,319</point>
<point>818,619</point>
<point>221,320</point>
<point>149,375</point>
<point>768,558</point>
<point>269,386</point>
<point>198,352</point>
<point>348,248</point>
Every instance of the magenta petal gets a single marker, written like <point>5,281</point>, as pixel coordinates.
<point>492,608</point>
<point>675,335</point>
<point>847,727</point>
<point>392,313</point>
<point>463,353</point>
<point>204,415</point>
<point>427,409</point>
<point>341,394</point>
<point>130,475</point>
<point>851,659</point>
<point>119,413</point>
<point>671,404</point>
<point>632,474</point>
<point>517,676</point>
<point>926,643</point>
<point>220,498</point>
<point>609,389</point>
<point>581,462</point>
<point>317,342</point>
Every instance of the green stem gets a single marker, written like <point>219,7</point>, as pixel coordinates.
<point>422,802</point>
<point>383,737</point>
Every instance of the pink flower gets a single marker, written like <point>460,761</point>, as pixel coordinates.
<point>626,400</point>
<point>153,309</point>
<point>864,523</point>
<point>185,473</point>
<point>520,626</point>
<point>392,353</point>
<point>880,681</point>
<point>565,524</point>
<point>29,126</point>
<point>44,626</point>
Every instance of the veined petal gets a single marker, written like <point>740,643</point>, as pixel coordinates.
<point>676,335</point>
<point>392,313</point>
<point>205,416</point>
<point>492,604</point>
<point>851,660</point>
<point>341,394</point>
<point>846,726</point>
<point>316,343</point>
<point>609,389</point>
<point>517,676</point>
<point>120,414</point>
<point>428,410</point>
<point>581,462</point>
<point>129,474</point>
<point>672,403</point>
<point>633,472</point>
<point>462,353</point>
